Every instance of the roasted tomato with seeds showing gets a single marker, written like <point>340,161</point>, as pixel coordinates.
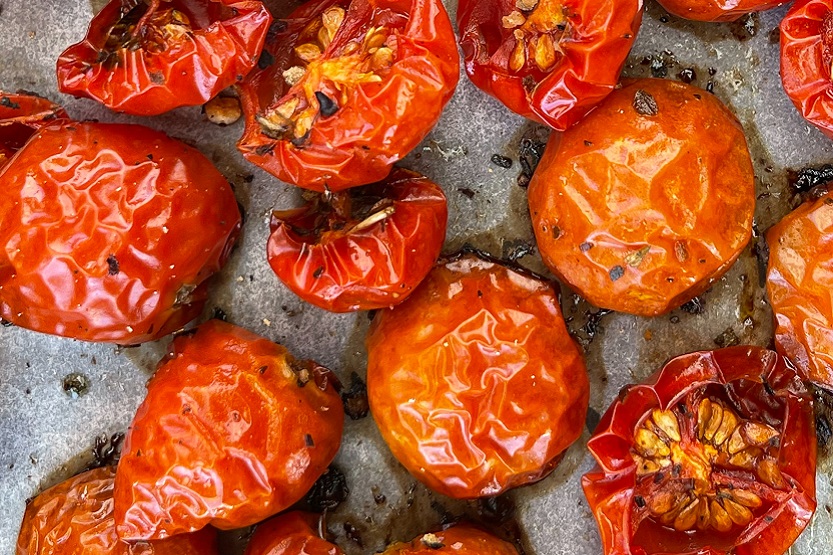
<point>233,430</point>
<point>146,57</point>
<point>365,249</point>
<point>291,534</point>
<point>348,89</point>
<point>75,517</point>
<point>21,114</point>
<point>548,60</point>
<point>715,454</point>
<point>459,539</point>
<point>110,232</point>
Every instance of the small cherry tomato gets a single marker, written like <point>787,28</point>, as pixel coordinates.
<point>110,232</point>
<point>292,533</point>
<point>76,518</point>
<point>354,86</point>
<point>146,57</point>
<point>21,115</point>
<point>233,430</point>
<point>474,381</point>
<point>460,539</point>
<point>548,60</point>
<point>807,60</point>
<point>646,202</point>
<point>715,454</point>
<point>717,10</point>
<point>367,249</point>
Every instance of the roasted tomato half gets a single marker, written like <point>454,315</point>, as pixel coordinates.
<point>233,430</point>
<point>110,232</point>
<point>474,381</point>
<point>353,87</point>
<point>291,534</point>
<point>715,454</point>
<point>646,202</point>
<point>76,518</point>
<point>21,114</point>
<point>807,60</point>
<point>460,539</point>
<point>548,60</point>
<point>146,57</point>
<point>366,248</point>
<point>717,10</point>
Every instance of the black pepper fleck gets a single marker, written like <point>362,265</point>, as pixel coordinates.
<point>112,265</point>
<point>501,161</point>
<point>616,272</point>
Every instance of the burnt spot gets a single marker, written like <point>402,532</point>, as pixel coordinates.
<point>106,450</point>
<point>75,385</point>
<point>501,161</point>
<point>326,106</point>
<point>806,179</point>
<point>265,60</point>
<point>112,265</point>
<point>7,102</point>
<point>645,104</point>
<point>354,398</point>
<point>616,273</point>
<point>328,492</point>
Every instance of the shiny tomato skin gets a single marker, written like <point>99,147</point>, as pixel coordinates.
<point>294,533</point>
<point>20,115</point>
<point>376,123</point>
<point>233,430</point>
<point>459,539</point>
<point>97,227</point>
<point>614,208</point>
<point>344,269</point>
<point>806,57</point>
<point>764,385</point>
<point>717,10</point>
<point>75,517</point>
<point>186,70</point>
<point>474,381</point>
<point>600,34</point>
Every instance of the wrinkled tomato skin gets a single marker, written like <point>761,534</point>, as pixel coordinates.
<point>75,517</point>
<point>806,56</point>
<point>474,381</point>
<point>109,233</point>
<point>768,387</point>
<point>375,267</point>
<point>600,36</point>
<point>641,213</point>
<point>459,539</point>
<point>21,114</point>
<point>290,534</point>
<point>191,69</point>
<point>380,122</point>
<point>233,430</point>
<point>717,10</point>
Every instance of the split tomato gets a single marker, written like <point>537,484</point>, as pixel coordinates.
<point>291,534</point>
<point>460,539</point>
<point>21,114</point>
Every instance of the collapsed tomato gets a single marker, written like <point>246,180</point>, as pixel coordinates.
<point>110,232</point>
<point>716,454</point>
<point>548,60</point>
<point>76,518</point>
<point>354,87</point>
<point>233,430</point>
<point>366,249</point>
<point>474,380</point>
<point>646,202</point>
<point>290,534</point>
<point>146,57</point>
<point>717,10</point>
<point>807,60</point>
<point>21,115</point>
<point>460,539</point>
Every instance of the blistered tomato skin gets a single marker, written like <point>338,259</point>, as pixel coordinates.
<point>647,201</point>
<point>353,88</point>
<point>292,533</point>
<point>807,59</point>
<point>474,381</point>
<point>21,114</point>
<point>75,517</point>
<point>163,54</point>
<point>552,62</point>
<point>713,455</point>
<point>460,539</point>
<point>110,232</point>
<point>367,255</point>
<point>233,430</point>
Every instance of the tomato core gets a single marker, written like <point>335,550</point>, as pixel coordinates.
<point>146,27</point>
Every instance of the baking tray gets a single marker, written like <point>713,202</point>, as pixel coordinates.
<point>47,434</point>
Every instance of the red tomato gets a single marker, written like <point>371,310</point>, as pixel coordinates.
<point>648,200</point>
<point>474,381</point>
<point>20,115</point>
<point>717,10</point>
<point>367,249</point>
<point>163,54</point>
<point>548,60</point>
<point>97,227</point>
<point>233,430</point>
<point>807,59</point>
<point>76,518</point>
<point>460,539</point>
<point>354,87</point>
<point>713,455</point>
<point>292,533</point>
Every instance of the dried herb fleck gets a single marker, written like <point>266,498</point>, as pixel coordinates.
<point>644,103</point>
<point>635,258</point>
